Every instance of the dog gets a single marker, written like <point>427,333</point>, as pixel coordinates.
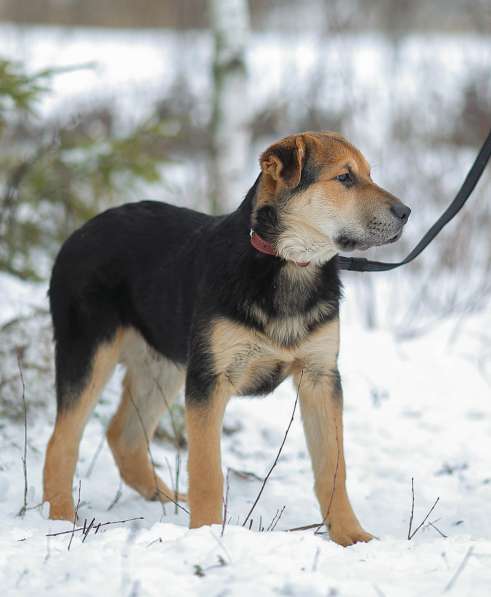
<point>222,305</point>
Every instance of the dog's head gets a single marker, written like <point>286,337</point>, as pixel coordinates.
<point>316,198</point>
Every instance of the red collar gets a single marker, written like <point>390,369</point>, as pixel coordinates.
<point>263,246</point>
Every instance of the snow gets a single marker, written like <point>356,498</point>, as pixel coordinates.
<point>416,408</point>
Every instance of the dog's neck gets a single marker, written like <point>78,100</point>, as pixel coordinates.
<point>265,247</point>
<point>266,288</point>
<point>259,218</point>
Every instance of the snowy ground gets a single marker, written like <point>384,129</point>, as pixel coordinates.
<point>418,408</point>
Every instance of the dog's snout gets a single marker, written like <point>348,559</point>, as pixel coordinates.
<point>400,211</point>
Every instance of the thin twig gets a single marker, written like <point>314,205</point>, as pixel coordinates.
<point>412,511</point>
<point>169,410</point>
<point>75,518</point>
<point>328,511</point>
<point>171,474</point>
<point>433,525</point>
<point>23,510</point>
<point>83,529</point>
<point>178,472</point>
<point>91,466</point>
<point>117,497</point>
<point>459,570</point>
<point>279,515</point>
<point>158,492</point>
<point>48,551</point>
<point>225,502</point>
<point>306,527</point>
<point>410,534</point>
<point>86,532</point>
<point>277,455</point>
<point>270,525</point>
<point>176,439</point>
<point>222,546</point>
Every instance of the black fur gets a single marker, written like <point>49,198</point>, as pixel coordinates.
<point>265,381</point>
<point>310,171</point>
<point>169,272</point>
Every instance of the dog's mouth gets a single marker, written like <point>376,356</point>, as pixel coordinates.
<point>347,242</point>
<point>394,238</point>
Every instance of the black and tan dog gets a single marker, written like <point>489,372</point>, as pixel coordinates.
<point>227,305</point>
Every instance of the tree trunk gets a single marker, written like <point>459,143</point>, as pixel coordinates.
<point>230,137</point>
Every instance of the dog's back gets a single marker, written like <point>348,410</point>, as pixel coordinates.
<point>111,273</point>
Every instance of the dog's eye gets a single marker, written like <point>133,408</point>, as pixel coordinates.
<point>345,178</point>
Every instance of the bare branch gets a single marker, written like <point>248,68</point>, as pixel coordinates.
<point>459,570</point>
<point>117,497</point>
<point>433,525</point>
<point>225,502</point>
<point>328,511</point>
<point>84,528</point>
<point>425,518</point>
<point>23,510</point>
<point>412,511</point>
<point>147,441</point>
<point>410,534</point>
<point>76,516</point>
<point>276,519</point>
<point>91,466</point>
<point>178,472</point>
<point>306,527</point>
<point>277,455</point>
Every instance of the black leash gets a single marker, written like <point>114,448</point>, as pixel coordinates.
<point>360,264</point>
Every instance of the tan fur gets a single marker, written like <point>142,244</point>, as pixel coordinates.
<point>295,328</point>
<point>278,176</point>
<point>312,219</point>
<point>321,408</point>
<point>239,354</point>
<point>312,222</point>
<point>204,428</point>
<point>150,387</point>
<point>62,451</point>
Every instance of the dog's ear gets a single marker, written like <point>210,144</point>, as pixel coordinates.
<point>284,160</point>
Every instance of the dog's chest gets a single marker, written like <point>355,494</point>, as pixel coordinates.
<point>253,364</point>
<point>289,329</point>
<point>297,304</point>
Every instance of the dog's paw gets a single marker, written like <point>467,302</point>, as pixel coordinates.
<point>163,493</point>
<point>346,536</point>
<point>62,510</point>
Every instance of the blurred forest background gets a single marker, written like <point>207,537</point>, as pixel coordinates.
<point>107,102</point>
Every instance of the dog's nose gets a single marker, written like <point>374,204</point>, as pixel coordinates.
<point>400,211</point>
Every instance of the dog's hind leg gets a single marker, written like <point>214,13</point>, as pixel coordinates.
<point>76,400</point>
<point>151,385</point>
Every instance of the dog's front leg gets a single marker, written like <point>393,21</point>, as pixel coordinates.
<point>205,407</point>
<point>321,403</point>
